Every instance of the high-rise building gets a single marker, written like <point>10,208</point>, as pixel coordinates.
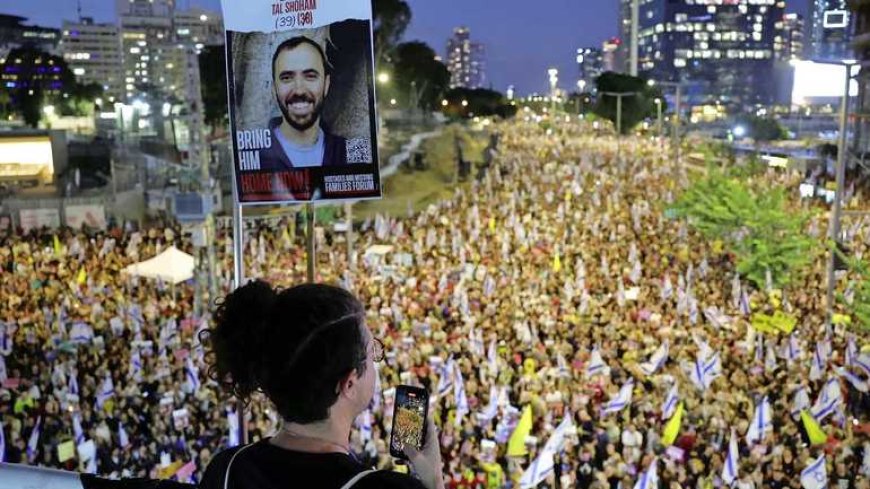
<point>146,32</point>
<point>199,27</point>
<point>466,60</point>
<point>93,53</point>
<point>831,30</point>
<point>622,57</point>
<point>789,40</point>
<point>15,34</point>
<point>590,65</point>
<point>725,48</point>
<point>610,54</point>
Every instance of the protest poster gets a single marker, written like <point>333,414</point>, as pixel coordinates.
<point>302,103</point>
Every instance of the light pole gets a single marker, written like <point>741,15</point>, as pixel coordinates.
<point>581,87</point>
<point>836,214</point>
<point>635,28</point>
<point>676,121</point>
<point>660,122</point>
<point>619,96</point>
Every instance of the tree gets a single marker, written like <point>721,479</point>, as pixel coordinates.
<point>764,129</point>
<point>391,19</point>
<point>580,103</point>
<point>213,75</point>
<point>763,230</point>
<point>418,75</point>
<point>635,107</point>
<point>479,102</point>
<point>29,106</point>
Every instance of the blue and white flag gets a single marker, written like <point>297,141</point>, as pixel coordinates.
<point>477,342</point>
<point>815,476</point>
<point>800,403</point>
<point>761,423</point>
<point>123,439</point>
<point>364,423</point>
<point>819,363</point>
<point>667,288</point>
<point>745,308</point>
<point>770,359</point>
<point>622,399</point>
<point>716,317</point>
<point>671,402</point>
<point>562,365</point>
<point>851,351</point>
<point>732,461</point>
<point>135,371</point>
<point>460,397</point>
<point>81,333</point>
<point>233,434</point>
<point>828,401</point>
<point>596,365</point>
<point>650,478</point>
<point>445,381</point>
<point>792,348</point>
<point>544,464</point>
<point>33,441</point>
<point>863,361</point>
<point>6,340</point>
<point>656,361</point>
<point>492,358</point>
<point>759,347</point>
<point>856,381</point>
<point>491,410</point>
<point>73,386</point>
<point>77,428</point>
<point>106,391</point>
<point>191,373</point>
<point>693,310</point>
<point>376,399</point>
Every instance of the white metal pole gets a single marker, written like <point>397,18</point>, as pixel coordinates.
<point>834,234</point>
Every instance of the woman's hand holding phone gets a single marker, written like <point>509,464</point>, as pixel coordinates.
<point>427,462</point>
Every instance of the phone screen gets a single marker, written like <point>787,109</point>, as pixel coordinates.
<point>409,419</point>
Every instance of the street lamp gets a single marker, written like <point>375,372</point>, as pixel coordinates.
<point>677,107</point>
<point>465,103</point>
<point>739,131</point>
<point>660,123</point>
<point>383,78</point>
<point>554,81</point>
<point>444,103</point>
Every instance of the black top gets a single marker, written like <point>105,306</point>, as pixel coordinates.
<point>266,466</point>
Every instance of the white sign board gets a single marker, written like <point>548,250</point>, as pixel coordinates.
<point>38,218</point>
<point>94,216</point>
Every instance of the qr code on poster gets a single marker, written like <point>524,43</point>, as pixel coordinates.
<point>359,150</point>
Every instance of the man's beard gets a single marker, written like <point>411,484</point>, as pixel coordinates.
<point>310,120</point>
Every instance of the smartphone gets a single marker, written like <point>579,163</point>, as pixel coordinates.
<point>409,419</point>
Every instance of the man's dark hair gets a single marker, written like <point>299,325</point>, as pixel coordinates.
<point>294,345</point>
<point>295,42</point>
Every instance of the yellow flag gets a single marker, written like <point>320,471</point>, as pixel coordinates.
<point>82,276</point>
<point>517,443</point>
<point>492,224</point>
<point>841,319</point>
<point>814,431</point>
<point>57,249</point>
<point>672,429</point>
<point>557,263</point>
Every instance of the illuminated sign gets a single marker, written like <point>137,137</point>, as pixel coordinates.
<point>836,19</point>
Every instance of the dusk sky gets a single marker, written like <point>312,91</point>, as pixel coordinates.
<point>522,38</point>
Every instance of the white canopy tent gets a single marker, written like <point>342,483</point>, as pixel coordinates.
<point>173,266</point>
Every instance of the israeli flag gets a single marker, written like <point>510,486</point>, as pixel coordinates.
<point>667,288</point>
<point>596,365</point>
<point>800,403</point>
<point>863,361</point>
<point>135,371</point>
<point>704,350</point>
<point>829,399</point>
<point>544,464</point>
<point>815,476</point>
<point>106,391</point>
<point>364,423</point>
<point>770,359</point>
<point>656,361</point>
<point>712,370</point>
<point>650,478</point>
<point>5,340</point>
<point>33,441</point>
<point>622,399</point>
<point>233,424</point>
<point>562,364</point>
<point>491,411</point>
<point>671,402</point>
<point>477,342</point>
<point>460,397</point>
<point>123,439</point>
<point>191,373</point>
<point>73,385</point>
<point>732,461</point>
<point>745,308</point>
<point>693,310</point>
<point>77,429</point>
<point>851,351</point>
<point>856,381</point>
<point>759,347</point>
<point>819,363</point>
<point>445,382</point>
<point>695,371</point>
<point>81,333</point>
<point>792,348</point>
<point>761,423</point>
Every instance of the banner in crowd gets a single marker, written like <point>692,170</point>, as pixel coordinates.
<point>778,322</point>
<point>301,99</point>
<point>39,218</point>
<point>94,216</point>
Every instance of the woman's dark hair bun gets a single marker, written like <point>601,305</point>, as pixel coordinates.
<point>234,343</point>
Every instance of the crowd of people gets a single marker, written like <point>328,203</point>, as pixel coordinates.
<point>558,283</point>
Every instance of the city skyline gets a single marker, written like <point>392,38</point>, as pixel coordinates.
<point>521,44</point>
